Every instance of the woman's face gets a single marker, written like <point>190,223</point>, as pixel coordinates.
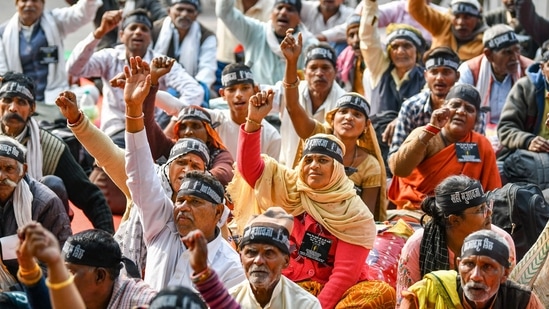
<point>403,54</point>
<point>349,122</point>
<point>477,218</point>
<point>193,128</point>
<point>317,170</point>
<point>463,117</point>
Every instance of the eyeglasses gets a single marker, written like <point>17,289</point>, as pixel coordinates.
<point>483,209</point>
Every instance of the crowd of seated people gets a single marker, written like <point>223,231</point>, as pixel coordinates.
<point>224,208</point>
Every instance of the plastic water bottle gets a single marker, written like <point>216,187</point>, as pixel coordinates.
<point>87,105</point>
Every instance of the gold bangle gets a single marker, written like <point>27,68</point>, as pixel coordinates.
<point>78,121</point>
<point>135,118</point>
<point>22,276</point>
<point>60,285</point>
<point>253,122</point>
<point>25,272</point>
<point>202,276</point>
<point>291,85</point>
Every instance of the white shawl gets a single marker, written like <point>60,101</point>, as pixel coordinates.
<point>22,208</point>
<point>57,77</point>
<point>189,48</point>
<point>484,82</point>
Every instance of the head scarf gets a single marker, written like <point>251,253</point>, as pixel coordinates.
<point>336,206</point>
<point>197,112</point>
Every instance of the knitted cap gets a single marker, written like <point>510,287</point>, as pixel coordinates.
<point>499,36</point>
<point>353,20</point>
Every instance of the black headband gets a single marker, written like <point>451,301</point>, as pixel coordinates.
<point>77,253</point>
<point>441,62</point>
<point>195,3</point>
<point>455,202</point>
<point>405,34</point>
<point>11,150</point>
<point>12,88</point>
<point>294,3</point>
<point>354,101</point>
<point>137,18</point>
<point>238,76</point>
<point>189,145</point>
<point>267,233</point>
<point>194,113</point>
<point>502,40</point>
<point>321,53</point>
<point>323,146</point>
<point>486,246</point>
<point>201,189</point>
<point>465,8</point>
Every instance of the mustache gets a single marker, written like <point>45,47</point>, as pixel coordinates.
<point>13,116</point>
<point>8,182</point>
<point>182,215</point>
<point>476,285</point>
<point>261,268</point>
<point>183,19</point>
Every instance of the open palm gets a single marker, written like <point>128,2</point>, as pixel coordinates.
<point>138,81</point>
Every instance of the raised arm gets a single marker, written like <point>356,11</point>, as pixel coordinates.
<point>291,48</point>
<point>83,61</point>
<point>151,201</point>
<point>210,287</point>
<point>248,158</point>
<point>414,149</point>
<point>36,242</point>
<point>533,23</point>
<point>158,141</point>
<point>372,50</point>
<point>107,155</point>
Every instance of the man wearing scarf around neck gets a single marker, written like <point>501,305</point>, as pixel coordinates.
<point>182,37</point>
<point>50,160</point>
<point>135,33</point>
<point>261,40</point>
<point>494,73</point>
<point>31,42</point>
<point>22,200</point>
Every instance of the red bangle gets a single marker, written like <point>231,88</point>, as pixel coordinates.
<point>202,276</point>
<point>432,129</point>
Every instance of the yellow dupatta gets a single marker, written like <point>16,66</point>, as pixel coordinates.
<point>437,290</point>
<point>336,207</point>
